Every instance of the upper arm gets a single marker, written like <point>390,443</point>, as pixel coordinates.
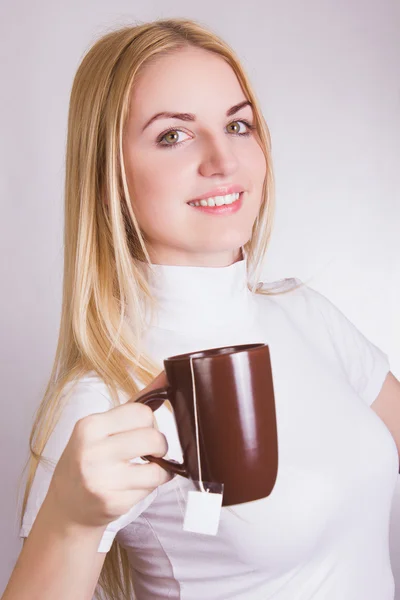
<point>387,406</point>
<point>98,562</point>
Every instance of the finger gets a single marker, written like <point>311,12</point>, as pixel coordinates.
<point>131,444</point>
<point>158,382</point>
<point>144,477</point>
<point>122,418</point>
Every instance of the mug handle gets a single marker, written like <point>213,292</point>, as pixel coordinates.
<point>154,399</point>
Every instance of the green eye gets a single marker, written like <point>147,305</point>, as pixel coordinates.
<point>235,124</point>
<point>174,133</point>
<point>171,133</point>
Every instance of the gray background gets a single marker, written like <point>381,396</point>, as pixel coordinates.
<point>327,76</point>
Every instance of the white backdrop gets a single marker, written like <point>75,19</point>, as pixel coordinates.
<point>327,75</point>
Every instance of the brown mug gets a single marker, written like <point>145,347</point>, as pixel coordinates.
<point>224,407</point>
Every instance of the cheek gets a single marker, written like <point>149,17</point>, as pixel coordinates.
<point>256,165</point>
<point>156,201</point>
<point>148,179</point>
<point>151,186</point>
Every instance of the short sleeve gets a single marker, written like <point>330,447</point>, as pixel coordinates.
<point>365,364</point>
<point>89,396</point>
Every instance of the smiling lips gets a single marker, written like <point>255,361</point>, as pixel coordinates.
<point>219,205</point>
<point>216,200</point>
<point>221,190</point>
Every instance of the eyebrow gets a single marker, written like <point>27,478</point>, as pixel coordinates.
<point>191,117</point>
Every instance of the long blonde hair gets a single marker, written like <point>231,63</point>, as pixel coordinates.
<point>103,242</point>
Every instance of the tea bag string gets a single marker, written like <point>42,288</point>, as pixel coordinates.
<point>196,425</point>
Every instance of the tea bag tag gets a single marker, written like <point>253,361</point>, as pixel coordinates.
<point>203,511</point>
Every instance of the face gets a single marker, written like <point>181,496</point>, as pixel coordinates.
<point>209,151</point>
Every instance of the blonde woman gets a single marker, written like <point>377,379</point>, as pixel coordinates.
<point>169,202</point>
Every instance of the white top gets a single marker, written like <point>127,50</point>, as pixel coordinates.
<point>324,530</point>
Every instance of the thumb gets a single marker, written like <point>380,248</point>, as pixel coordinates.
<point>158,382</point>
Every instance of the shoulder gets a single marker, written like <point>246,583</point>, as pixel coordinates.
<point>290,291</point>
<point>298,301</point>
<point>86,394</point>
<point>89,393</point>
<point>79,398</point>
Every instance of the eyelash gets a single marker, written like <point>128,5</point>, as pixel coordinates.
<point>172,146</point>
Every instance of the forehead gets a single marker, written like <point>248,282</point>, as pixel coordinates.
<point>187,80</point>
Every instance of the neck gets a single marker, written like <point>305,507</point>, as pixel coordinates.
<point>178,258</point>
<point>197,299</point>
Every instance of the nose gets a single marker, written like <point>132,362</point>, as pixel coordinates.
<point>218,157</point>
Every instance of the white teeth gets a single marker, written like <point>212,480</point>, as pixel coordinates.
<point>217,201</point>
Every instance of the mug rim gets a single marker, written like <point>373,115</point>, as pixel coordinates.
<point>215,352</point>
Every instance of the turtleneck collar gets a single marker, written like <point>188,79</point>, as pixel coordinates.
<point>193,299</point>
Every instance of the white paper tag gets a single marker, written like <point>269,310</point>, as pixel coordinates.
<point>203,510</point>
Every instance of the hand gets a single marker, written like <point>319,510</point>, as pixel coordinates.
<point>93,482</point>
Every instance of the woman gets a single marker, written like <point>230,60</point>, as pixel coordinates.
<point>151,271</point>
